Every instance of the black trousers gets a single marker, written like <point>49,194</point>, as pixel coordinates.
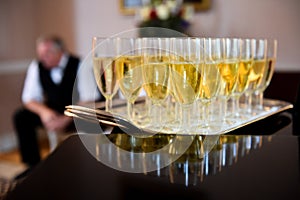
<point>26,124</point>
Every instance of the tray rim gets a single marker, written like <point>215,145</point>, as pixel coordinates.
<point>283,106</point>
<point>267,102</point>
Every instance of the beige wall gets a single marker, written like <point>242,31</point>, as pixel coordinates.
<point>17,29</point>
<point>234,18</point>
<point>77,21</point>
<point>21,22</point>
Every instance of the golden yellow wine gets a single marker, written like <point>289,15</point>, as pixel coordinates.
<point>105,76</point>
<point>229,71</point>
<point>186,81</point>
<point>210,81</point>
<point>157,59</point>
<point>129,76</point>
<point>156,80</point>
<point>243,75</point>
<point>256,73</point>
<point>267,75</point>
<point>270,71</point>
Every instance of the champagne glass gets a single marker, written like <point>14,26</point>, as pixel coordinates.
<point>259,50</point>
<point>267,74</point>
<point>245,64</point>
<point>105,70</point>
<point>210,80</point>
<point>186,68</point>
<point>155,73</point>
<point>129,63</point>
<point>229,71</point>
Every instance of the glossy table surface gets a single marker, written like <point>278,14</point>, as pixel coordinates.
<point>259,161</point>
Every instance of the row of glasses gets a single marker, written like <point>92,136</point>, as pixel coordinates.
<point>196,75</point>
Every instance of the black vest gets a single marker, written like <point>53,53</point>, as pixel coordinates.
<point>57,96</point>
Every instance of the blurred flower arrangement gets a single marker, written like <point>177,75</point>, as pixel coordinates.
<point>171,14</point>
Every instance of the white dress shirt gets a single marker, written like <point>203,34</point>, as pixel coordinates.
<point>87,86</point>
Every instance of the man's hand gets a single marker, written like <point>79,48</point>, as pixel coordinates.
<point>58,123</point>
<point>47,115</point>
<point>51,119</point>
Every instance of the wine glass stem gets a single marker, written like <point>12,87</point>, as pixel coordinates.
<point>108,105</point>
<point>248,98</point>
<point>156,115</point>
<point>236,106</point>
<point>130,112</point>
<point>186,118</point>
<point>223,109</point>
<point>205,115</point>
<point>259,97</point>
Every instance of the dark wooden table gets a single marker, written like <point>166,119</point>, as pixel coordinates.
<point>260,161</point>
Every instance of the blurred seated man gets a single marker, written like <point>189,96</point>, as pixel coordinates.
<point>48,88</point>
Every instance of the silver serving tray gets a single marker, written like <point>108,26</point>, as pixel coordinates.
<point>270,107</point>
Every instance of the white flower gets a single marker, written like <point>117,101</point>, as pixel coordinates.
<point>162,12</point>
<point>145,13</point>
<point>172,6</point>
<point>188,13</point>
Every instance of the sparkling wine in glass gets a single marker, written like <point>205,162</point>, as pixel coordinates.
<point>186,75</point>
<point>245,65</point>
<point>210,81</point>
<point>228,67</point>
<point>105,69</point>
<point>129,64</point>
<point>267,74</point>
<point>155,73</point>
<point>259,50</point>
